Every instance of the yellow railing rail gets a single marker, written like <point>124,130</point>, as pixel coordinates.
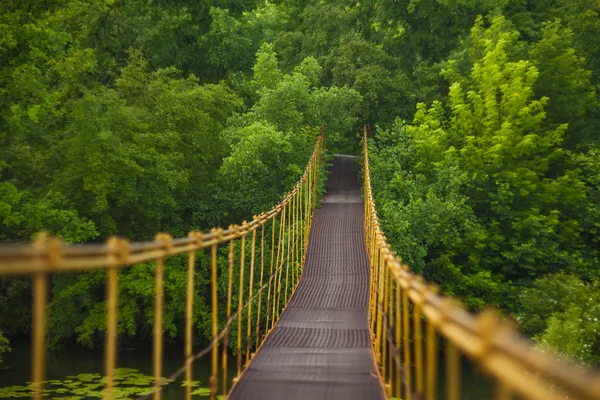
<point>408,317</point>
<point>288,223</point>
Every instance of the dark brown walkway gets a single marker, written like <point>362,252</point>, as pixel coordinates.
<point>320,348</point>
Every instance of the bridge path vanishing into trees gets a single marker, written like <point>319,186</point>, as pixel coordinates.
<point>321,346</point>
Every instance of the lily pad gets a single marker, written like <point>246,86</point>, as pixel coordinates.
<point>190,383</point>
<point>88,377</point>
<point>203,391</point>
<point>128,384</point>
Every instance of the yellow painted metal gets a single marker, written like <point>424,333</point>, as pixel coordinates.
<point>452,372</point>
<point>241,304</point>
<point>384,336</point>
<point>262,270</point>
<point>267,326</point>
<point>278,269</point>
<point>398,342</point>
<point>431,361</point>
<point>250,290</point>
<point>378,295</point>
<point>112,296</point>
<point>389,335</point>
<point>418,345</point>
<point>407,358</point>
<point>159,279</point>
<point>280,263</point>
<point>307,211</point>
<point>293,248</point>
<point>299,251</point>
<point>40,295</point>
<point>287,257</point>
<point>231,260</point>
<point>301,232</point>
<point>189,317</point>
<point>502,392</point>
<point>215,321</point>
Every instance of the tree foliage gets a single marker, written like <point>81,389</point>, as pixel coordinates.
<point>563,312</point>
<point>4,346</point>
<point>491,190</point>
<point>132,118</point>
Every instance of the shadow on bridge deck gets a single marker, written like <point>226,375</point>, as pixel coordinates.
<point>321,347</point>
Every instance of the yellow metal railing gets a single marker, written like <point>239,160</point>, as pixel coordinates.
<point>408,317</point>
<point>288,223</point>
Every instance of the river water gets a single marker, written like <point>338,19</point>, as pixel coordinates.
<point>74,369</point>
<point>79,368</point>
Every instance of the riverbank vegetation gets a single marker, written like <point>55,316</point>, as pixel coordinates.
<point>134,117</point>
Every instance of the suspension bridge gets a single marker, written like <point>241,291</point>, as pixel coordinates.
<point>325,309</point>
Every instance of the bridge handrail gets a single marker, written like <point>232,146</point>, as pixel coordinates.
<point>516,366</point>
<point>290,222</point>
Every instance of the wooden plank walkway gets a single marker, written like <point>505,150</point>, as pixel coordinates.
<point>321,346</point>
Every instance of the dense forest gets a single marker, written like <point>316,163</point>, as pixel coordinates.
<point>134,117</point>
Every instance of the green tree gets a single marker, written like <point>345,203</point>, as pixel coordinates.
<point>520,196</point>
<point>565,80</point>
<point>78,312</point>
<point>563,312</point>
<point>4,346</point>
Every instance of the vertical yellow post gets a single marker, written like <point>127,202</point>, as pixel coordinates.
<point>270,275</point>
<point>262,269</point>
<point>376,254</point>
<point>375,283</point>
<point>38,359</point>
<point>48,253</point>
<point>372,284</point>
<point>384,338</point>
<point>375,280</point>
<point>418,343</point>
<point>215,318</point>
<point>294,234</point>
<point>452,372</point>
<point>189,313</point>
<point>298,236</point>
<point>431,360</point>
<point>287,258</point>
<point>298,243</point>
<point>112,298</point>
<point>250,292</point>
<point>159,276</point>
<point>277,269</point>
<point>371,280</point>
<point>407,360</point>
<point>306,211</point>
<point>373,242</point>
<point>301,245</point>
<point>241,302</point>
<point>229,290</point>
<point>277,304</point>
<point>309,197</point>
<point>398,341</point>
<point>502,391</point>
<point>316,181</point>
<point>379,309</point>
<point>390,335</point>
